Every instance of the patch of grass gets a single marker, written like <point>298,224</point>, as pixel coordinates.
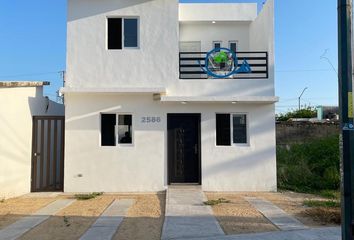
<point>88,196</point>
<point>325,204</point>
<point>66,221</point>
<point>216,202</point>
<point>331,194</point>
<point>309,167</point>
<point>324,215</point>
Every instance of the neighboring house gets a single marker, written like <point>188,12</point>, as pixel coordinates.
<point>327,113</point>
<point>20,102</point>
<point>141,113</point>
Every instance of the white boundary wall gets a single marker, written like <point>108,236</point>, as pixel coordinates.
<point>18,105</point>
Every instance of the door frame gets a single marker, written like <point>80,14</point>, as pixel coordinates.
<point>169,169</point>
<point>34,146</point>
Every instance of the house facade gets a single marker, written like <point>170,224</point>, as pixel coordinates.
<point>148,104</point>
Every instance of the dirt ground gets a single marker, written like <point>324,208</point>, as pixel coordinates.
<point>13,209</point>
<point>144,219</point>
<point>239,216</point>
<point>292,203</point>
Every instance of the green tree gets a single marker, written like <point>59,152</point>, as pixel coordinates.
<point>308,112</point>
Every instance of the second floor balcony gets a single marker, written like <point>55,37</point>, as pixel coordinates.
<point>239,65</point>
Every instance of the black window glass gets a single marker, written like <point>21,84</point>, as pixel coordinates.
<point>114,33</point>
<point>239,128</point>
<point>131,32</point>
<point>125,129</point>
<point>108,122</point>
<point>217,45</point>
<point>233,47</point>
<point>223,137</point>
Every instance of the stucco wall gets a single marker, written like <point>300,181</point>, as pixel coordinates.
<point>217,11</point>
<point>90,64</point>
<point>207,32</point>
<point>143,166</point>
<point>18,105</point>
<point>155,63</point>
<point>262,37</point>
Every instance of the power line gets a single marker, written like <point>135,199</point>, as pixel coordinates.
<point>305,70</point>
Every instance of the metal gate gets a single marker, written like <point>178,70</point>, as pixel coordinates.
<point>47,153</point>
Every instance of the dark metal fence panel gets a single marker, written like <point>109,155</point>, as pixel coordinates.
<point>47,153</point>
<point>191,64</point>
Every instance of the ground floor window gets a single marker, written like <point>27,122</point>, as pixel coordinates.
<point>116,129</point>
<point>231,129</point>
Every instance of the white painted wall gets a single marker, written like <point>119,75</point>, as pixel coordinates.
<point>90,64</point>
<point>207,32</point>
<point>18,105</point>
<point>262,36</point>
<point>155,64</point>
<point>143,166</point>
<point>217,11</point>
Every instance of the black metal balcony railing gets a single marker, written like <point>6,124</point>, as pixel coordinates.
<point>191,64</point>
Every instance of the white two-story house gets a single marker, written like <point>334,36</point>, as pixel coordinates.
<point>143,111</point>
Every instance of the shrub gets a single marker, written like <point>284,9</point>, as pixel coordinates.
<point>309,167</point>
<point>308,112</point>
<point>88,196</point>
<point>216,202</point>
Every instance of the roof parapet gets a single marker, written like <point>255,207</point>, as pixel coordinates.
<point>13,84</point>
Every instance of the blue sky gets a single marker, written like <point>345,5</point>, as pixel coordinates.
<point>33,45</point>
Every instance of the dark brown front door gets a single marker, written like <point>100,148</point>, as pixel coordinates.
<point>184,148</point>
<point>47,154</point>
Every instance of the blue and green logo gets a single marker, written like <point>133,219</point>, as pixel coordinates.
<point>223,63</point>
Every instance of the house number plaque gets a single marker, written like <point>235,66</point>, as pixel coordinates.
<point>148,120</point>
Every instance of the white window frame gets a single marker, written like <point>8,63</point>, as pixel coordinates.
<point>117,144</point>
<point>232,144</point>
<point>233,41</point>
<point>232,129</point>
<point>123,19</point>
<point>214,42</point>
<point>116,130</point>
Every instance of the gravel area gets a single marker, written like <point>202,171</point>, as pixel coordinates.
<point>144,219</point>
<point>13,209</point>
<point>292,203</point>
<point>238,216</point>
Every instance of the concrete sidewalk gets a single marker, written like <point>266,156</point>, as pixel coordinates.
<point>186,216</point>
<point>328,233</point>
<point>107,224</point>
<point>276,215</point>
<point>25,224</point>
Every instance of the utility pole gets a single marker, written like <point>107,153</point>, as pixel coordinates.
<point>60,98</point>
<point>300,97</point>
<point>345,69</point>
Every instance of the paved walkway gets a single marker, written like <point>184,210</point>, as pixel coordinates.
<point>25,224</point>
<point>186,216</point>
<point>306,234</point>
<point>107,224</point>
<point>276,215</point>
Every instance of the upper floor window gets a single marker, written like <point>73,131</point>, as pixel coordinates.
<point>233,46</point>
<point>123,33</point>
<point>217,44</point>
